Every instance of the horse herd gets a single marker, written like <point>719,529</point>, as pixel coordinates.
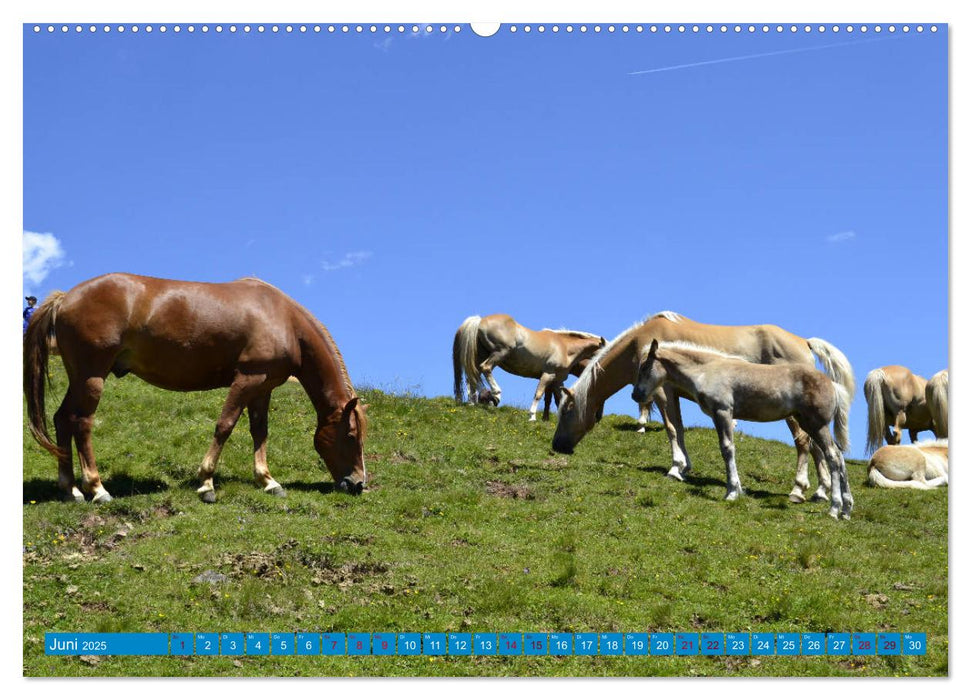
<point>249,336</point>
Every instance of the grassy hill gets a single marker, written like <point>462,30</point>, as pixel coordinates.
<point>470,524</point>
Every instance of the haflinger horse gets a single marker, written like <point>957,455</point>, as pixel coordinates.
<point>727,387</point>
<point>616,365</point>
<point>190,336</point>
<point>483,343</point>
<point>921,465</point>
<point>896,399</point>
<point>935,394</point>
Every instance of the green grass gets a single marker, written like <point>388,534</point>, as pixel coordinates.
<point>471,524</point>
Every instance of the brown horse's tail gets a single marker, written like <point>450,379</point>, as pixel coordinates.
<point>36,353</point>
<point>841,421</point>
<point>464,352</point>
<point>876,419</point>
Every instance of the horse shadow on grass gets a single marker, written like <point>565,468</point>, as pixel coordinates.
<point>119,486</point>
<point>635,427</point>
<point>695,483</point>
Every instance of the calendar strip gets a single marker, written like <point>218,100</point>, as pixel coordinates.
<point>486,644</point>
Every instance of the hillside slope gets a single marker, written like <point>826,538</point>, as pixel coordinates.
<point>470,524</point>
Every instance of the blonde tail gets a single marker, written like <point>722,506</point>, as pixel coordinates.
<point>936,396</point>
<point>464,352</point>
<point>876,420</point>
<point>841,421</point>
<point>834,363</point>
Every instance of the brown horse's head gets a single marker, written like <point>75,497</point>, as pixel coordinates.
<point>340,443</point>
<point>571,423</point>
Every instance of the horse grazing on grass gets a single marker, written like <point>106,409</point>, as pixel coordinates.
<point>482,344</point>
<point>615,366</point>
<point>727,387</point>
<point>935,394</point>
<point>922,465</point>
<point>896,399</point>
<point>190,336</point>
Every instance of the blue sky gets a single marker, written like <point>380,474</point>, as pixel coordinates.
<point>396,184</point>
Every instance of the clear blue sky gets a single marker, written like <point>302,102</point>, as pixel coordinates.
<point>397,184</point>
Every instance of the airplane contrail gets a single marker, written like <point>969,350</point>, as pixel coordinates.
<point>758,55</point>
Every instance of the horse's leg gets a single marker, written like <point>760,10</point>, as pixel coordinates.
<point>258,410</point>
<point>723,425</point>
<point>65,464</point>
<point>840,500</point>
<point>486,368</point>
<point>643,416</point>
<point>677,456</point>
<point>680,457</point>
<point>898,429</point>
<point>548,397</point>
<point>913,435</point>
<point>232,410</point>
<point>86,397</point>
<point>544,380</point>
<point>804,447</point>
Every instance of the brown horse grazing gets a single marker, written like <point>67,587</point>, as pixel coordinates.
<point>482,344</point>
<point>935,393</point>
<point>615,366</point>
<point>190,336</point>
<point>896,399</point>
<point>922,465</point>
<point>727,387</point>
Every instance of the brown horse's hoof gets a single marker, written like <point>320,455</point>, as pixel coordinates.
<point>77,497</point>
<point>208,496</point>
<point>103,497</point>
<point>796,498</point>
<point>277,491</point>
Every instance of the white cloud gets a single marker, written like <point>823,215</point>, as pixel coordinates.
<point>308,280</point>
<point>841,237</point>
<point>349,260</point>
<point>42,253</point>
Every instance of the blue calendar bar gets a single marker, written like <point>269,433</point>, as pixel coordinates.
<point>107,644</point>
<point>486,644</point>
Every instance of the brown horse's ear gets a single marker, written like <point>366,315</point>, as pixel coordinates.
<point>603,341</point>
<point>654,346</point>
<point>347,415</point>
<point>566,395</point>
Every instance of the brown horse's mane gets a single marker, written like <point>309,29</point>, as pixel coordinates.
<point>316,324</point>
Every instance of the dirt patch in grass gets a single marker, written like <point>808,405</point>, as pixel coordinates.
<point>504,490</point>
<point>288,558</point>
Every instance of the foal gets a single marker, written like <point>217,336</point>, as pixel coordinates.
<point>922,465</point>
<point>727,387</point>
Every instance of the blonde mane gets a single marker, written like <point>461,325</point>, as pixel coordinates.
<point>576,334</point>
<point>695,347</point>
